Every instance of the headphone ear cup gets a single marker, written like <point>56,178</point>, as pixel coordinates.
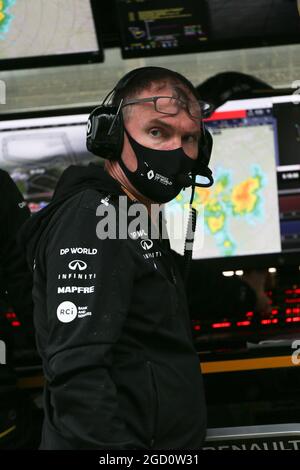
<point>204,150</point>
<point>105,132</point>
<point>204,154</point>
<point>205,146</point>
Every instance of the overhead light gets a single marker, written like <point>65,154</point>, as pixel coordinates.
<point>228,273</point>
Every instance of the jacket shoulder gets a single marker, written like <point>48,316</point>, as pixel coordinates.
<point>90,199</point>
<point>85,199</point>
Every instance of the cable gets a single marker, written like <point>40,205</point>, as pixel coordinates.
<point>190,234</point>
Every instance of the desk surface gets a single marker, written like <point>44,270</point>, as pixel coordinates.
<point>217,362</point>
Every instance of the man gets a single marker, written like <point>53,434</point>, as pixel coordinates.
<point>111,315</point>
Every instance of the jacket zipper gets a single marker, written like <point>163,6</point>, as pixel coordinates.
<point>155,402</point>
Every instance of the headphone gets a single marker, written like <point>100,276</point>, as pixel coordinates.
<point>105,126</point>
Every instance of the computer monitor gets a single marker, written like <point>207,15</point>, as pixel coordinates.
<point>251,215</point>
<point>36,147</point>
<point>42,33</point>
<point>152,27</point>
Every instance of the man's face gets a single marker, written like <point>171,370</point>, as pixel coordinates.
<point>159,131</point>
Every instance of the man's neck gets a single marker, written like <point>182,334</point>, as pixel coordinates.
<point>115,171</point>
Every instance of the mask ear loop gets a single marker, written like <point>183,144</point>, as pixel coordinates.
<point>207,173</point>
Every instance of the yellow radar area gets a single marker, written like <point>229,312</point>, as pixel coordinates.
<point>215,224</point>
<point>227,200</point>
<point>5,16</point>
<point>2,13</point>
<point>228,206</point>
<point>244,196</point>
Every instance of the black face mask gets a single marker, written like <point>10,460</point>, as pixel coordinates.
<point>160,174</point>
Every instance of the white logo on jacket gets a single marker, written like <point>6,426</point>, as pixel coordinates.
<point>146,244</point>
<point>78,251</point>
<point>65,276</point>
<point>66,312</point>
<point>77,264</point>
<point>138,234</point>
<point>75,290</point>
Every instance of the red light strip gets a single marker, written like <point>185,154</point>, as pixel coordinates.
<point>243,323</point>
<point>293,301</point>
<point>290,311</point>
<point>224,324</point>
<point>197,327</point>
<point>292,319</point>
<point>249,314</point>
<point>10,315</point>
<point>269,321</point>
<point>15,323</point>
<point>292,291</point>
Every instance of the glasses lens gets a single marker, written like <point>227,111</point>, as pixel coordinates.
<point>172,105</point>
<point>167,105</point>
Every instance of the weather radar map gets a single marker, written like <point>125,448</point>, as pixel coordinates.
<point>35,28</point>
<point>239,214</point>
<point>230,204</point>
<point>5,16</point>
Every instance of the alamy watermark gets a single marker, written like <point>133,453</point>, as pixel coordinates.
<point>296,353</point>
<point>2,92</point>
<point>2,352</point>
<point>136,221</point>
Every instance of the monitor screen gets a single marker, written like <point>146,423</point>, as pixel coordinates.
<point>36,33</point>
<point>151,27</point>
<point>252,212</point>
<point>35,149</point>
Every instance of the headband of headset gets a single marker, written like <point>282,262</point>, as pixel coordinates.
<point>105,127</point>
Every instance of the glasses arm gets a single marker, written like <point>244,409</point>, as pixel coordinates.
<point>115,118</point>
<point>152,99</point>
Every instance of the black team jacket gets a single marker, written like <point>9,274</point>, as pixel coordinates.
<point>112,328</point>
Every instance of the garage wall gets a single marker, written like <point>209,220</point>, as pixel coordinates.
<point>87,84</point>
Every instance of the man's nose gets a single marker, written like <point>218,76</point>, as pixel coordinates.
<point>175,142</point>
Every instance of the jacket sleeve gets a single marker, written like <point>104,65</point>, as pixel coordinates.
<point>89,286</point>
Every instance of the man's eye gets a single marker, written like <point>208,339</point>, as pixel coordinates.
<point>155,132</point>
